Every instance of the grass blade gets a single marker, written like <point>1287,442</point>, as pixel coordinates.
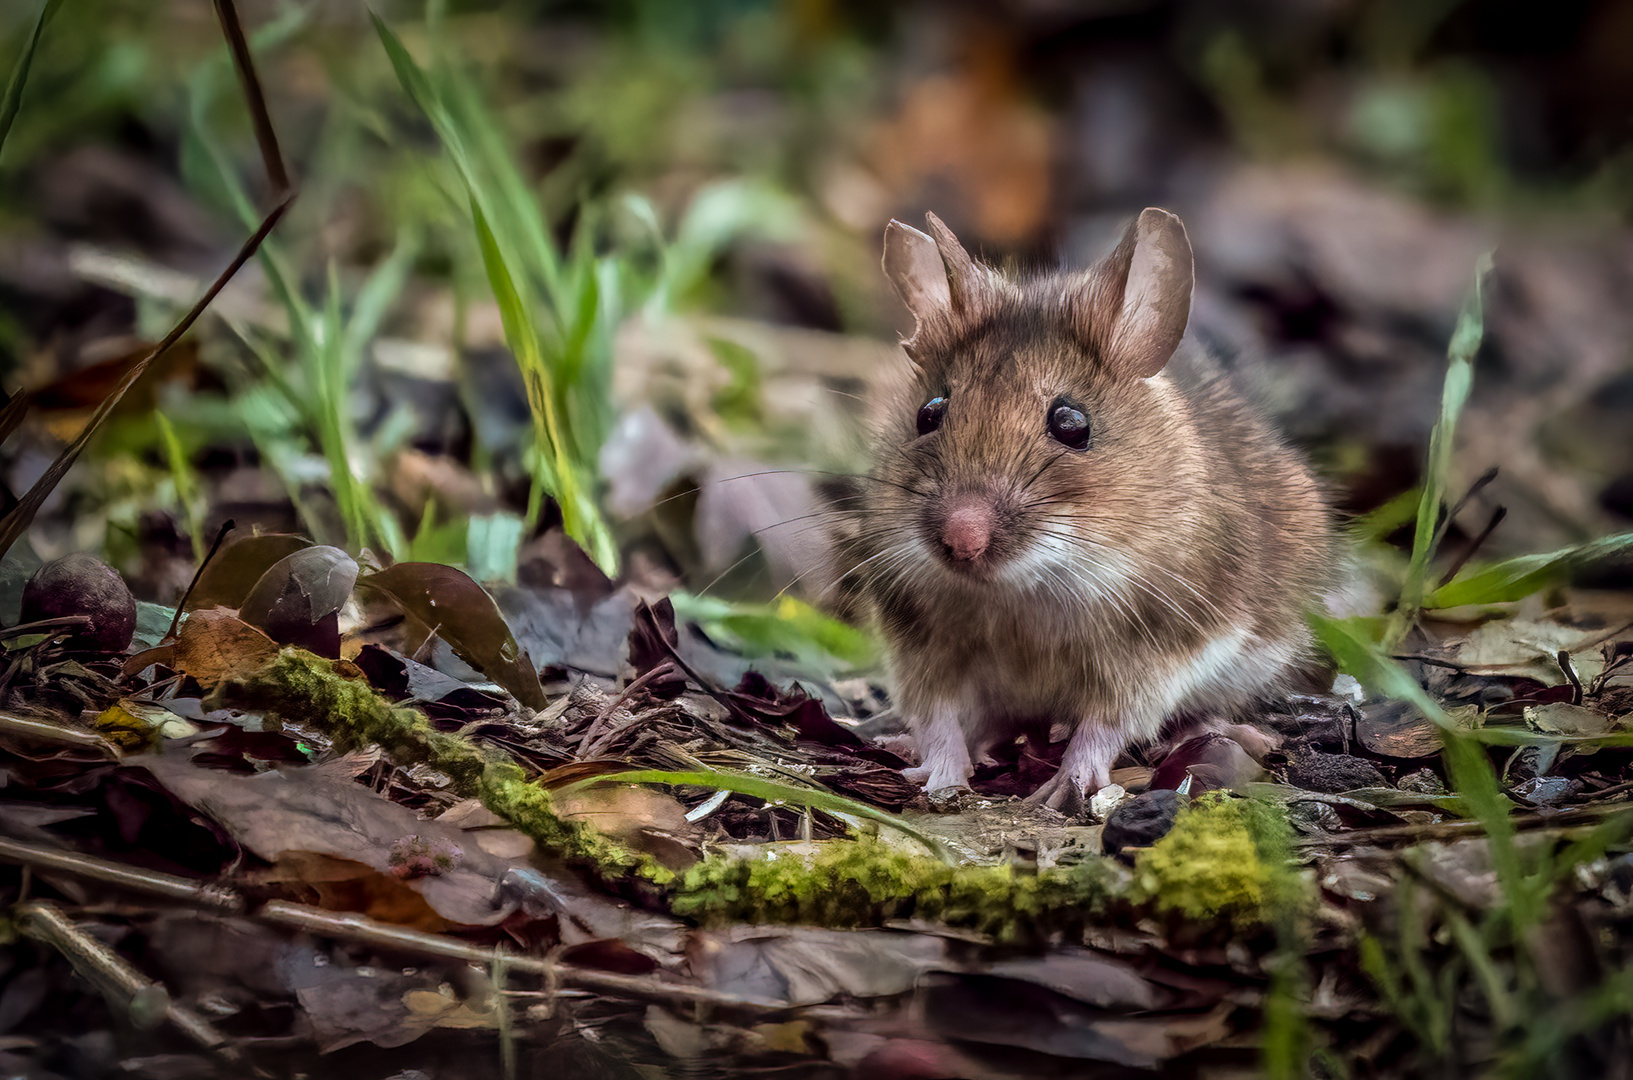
<point>13,101</point>
<point>556,316</point>
<point>1466,762</point>
<point>769,790</point>
<point>1515,579</point>
<point>1459,379</point>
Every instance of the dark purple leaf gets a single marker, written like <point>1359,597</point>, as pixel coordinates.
<point>406,679</point>
<point>298,600</point>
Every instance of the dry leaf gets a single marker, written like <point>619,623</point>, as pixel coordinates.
<point>214,645</point>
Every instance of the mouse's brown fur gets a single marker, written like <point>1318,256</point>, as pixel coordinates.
<point>1164,567</point>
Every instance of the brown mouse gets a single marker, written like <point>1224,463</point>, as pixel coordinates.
<point>1065,521</point>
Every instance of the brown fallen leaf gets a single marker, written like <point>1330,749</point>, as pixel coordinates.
<point>1563,718</point>
<point>215,644</point>
<point>339,884</point>
<point>639,817</point>
<point>228,577</point>
<point>463,614</point>
<point>304,814</point>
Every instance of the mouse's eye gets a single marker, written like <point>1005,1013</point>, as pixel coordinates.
<point>930,414</point>
<point>1069,425</point>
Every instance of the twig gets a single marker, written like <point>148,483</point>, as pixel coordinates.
<point>1451,830</point>
<point>1432,661</point>
<point>1475,545</point>
<point>38,626</point>
<point>1456,508</point>
<point>145,1002</point>
<point>149,882</point>
<point>265,137</point>
<point>181,605</point>
<point>45,731</point>
<point>1563,657</point>
<point>21,516</point>
<point>359,928</point>
<point>662,670</point>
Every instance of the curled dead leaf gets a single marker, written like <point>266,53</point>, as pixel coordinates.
<point>298,600</point>
<point>463,614</point>
<point>214,645</point>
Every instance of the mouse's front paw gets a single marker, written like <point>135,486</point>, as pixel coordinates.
<point>944,789</point>
<point>1064,793</point>
<point>933,776</point>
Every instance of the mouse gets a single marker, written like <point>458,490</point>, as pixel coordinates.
<point>1072,517</point>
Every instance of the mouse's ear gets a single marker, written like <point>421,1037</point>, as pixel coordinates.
<point>915,269</point>
<point>937,279</point>
<point>1133,307</point>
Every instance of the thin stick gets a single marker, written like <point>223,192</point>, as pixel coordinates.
<point>181,605</point>
<point>359,928</point>
<point>148,882</point>
<point>1451,830</point>
<point>45,731</point>
<point>123,985</point>
<point>21,516</point>
<point>1563,658</point>
<point>1456,508</point>
<point>271,157</point>
<point>1476,544</point>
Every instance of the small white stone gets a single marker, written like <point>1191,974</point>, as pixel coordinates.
<point>1346,686</point>
<point>1107,799</point>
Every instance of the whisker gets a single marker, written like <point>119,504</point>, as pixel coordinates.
<point>1150,588</point>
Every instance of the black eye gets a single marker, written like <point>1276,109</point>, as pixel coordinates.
<point>930,414</point>
<point>1067,424</point>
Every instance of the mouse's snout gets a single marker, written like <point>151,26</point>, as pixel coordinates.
<point>966,531</point>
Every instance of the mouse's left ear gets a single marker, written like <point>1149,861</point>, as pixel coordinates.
<point>1132,309</point>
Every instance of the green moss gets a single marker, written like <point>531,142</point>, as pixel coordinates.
<point>1224,860</point>
<point>866,883</point>
<point>299,685</point>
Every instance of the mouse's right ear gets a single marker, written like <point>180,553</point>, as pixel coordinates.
<point>913,265</point>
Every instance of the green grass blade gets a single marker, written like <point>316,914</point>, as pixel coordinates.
<point>13,101</point>
<point>536,300</point>
<point>1515,579</point>
<point>523,337</point>
<point>511,195</point>
<point>384,284</point>
<point>1459,379</point>
<point>581,518</point>
<point>1466,762</point>
<point>771,791</point>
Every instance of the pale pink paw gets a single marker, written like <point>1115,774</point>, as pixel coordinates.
<point>1064,793</point>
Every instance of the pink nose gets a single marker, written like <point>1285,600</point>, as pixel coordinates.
<point>967,530</point>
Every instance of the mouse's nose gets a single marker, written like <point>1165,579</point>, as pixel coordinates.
<point>967,530</point>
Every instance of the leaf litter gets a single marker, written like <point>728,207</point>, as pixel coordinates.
<point>262,808</point>
<point>293,892</point>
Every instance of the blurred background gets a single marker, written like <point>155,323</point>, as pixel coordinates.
<point>688,201</point>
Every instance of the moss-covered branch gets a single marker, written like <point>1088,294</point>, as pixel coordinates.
<point>1223,862</point>
<point>298,685</point>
